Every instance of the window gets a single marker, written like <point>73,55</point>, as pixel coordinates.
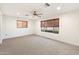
<point>22,24</point>
<point>51,25</point>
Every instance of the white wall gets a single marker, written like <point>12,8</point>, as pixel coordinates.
<point>69,28</point>
<point>11,30</point>
<point>0,27</point>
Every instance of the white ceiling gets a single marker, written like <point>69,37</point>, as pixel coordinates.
<point>26,8</point>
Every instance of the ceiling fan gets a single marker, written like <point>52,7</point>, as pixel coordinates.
<point>35,13</point>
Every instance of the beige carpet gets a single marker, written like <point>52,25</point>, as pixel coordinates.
<point>36,45</point>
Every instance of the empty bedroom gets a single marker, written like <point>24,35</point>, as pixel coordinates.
<point>39,28</point>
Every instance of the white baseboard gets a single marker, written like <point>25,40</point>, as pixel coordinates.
<point>18,36</point>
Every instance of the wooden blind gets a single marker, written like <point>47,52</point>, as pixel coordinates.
<point>22,24</point>
<point>50,23</point>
